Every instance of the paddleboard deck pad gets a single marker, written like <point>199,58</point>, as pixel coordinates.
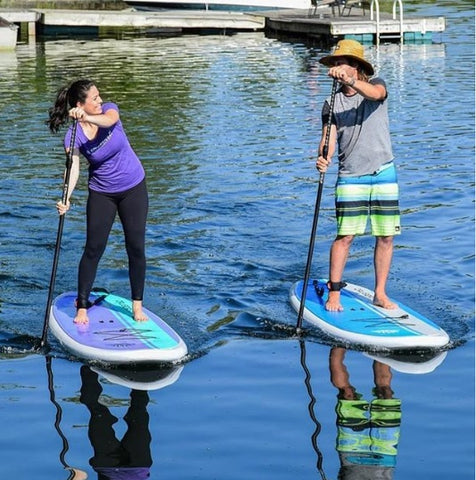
<point>112,335</point>
<point>363,323</point>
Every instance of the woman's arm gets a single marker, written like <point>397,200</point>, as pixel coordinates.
<point>73,180</point>
<point>103,120</point>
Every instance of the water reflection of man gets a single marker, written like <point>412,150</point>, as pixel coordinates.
<point>129,458</point>
<point>367,433</point>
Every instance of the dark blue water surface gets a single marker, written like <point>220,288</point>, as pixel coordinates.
<point>227,128</point>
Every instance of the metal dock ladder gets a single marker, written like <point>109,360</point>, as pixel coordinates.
<point>394,16</point>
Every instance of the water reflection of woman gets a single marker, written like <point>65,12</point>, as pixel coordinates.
<point>367,432</point>
<point>129,458</point>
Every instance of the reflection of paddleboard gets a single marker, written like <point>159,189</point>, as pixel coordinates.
<point>141,379</point>
<point>417,364</point>
<point>112,335</point>
<point>363,323</point>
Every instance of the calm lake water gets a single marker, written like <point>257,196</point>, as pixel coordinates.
<point>227,128</point>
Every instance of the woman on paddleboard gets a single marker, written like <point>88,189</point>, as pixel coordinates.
<point>367,180</point>
<point>116,185</point>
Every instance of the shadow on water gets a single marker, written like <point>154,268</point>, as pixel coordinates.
<point>130,456</point>
<point>312,415</point>
<point>367,431</point>
<point>57,423</point>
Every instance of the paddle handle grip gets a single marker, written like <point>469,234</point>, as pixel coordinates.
<point>325,148</point>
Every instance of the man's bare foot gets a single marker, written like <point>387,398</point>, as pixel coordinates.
<point>384,302</point>
<point>333,302</point>
<point>138,313</point>
<point>81,316</point>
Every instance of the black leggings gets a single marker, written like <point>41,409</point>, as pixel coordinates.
<point>132,206</point>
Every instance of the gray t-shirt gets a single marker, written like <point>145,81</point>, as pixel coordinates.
<point>363,133</point>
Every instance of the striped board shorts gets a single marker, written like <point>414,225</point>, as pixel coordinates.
<point>374,196</point>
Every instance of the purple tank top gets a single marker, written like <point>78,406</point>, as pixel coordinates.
<point>113,164</point>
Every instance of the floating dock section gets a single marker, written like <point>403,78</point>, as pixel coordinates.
<point>167,20</point>
<point>325,23</point>
<point>364,25</point>
<point>53,21</point>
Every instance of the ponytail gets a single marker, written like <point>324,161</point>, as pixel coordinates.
<point>66,98</point>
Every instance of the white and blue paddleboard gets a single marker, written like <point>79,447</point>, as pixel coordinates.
<point>112,335</point>
<point>363,323</point>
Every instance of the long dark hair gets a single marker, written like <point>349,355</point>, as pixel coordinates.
<point>66,98</point>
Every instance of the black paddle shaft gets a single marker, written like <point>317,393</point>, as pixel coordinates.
<point>64,199</point>
<point>325,151</point>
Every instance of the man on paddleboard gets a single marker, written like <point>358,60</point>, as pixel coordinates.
<point>367,181</point>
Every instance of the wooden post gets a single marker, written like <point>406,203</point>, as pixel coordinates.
<point>31,31</point>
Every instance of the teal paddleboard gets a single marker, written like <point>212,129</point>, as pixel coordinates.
<point>112,335</point>
<point>363,323</point>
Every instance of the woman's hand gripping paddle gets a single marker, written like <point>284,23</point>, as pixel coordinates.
<point>325,151</point>
<point>64,199</point>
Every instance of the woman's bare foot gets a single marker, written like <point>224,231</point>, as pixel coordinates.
<point>81,316</point>
<point>384,302</point>
<point>333,302</point>
<point>138,313</point>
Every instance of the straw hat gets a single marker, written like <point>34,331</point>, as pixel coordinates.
<point>350,49</point>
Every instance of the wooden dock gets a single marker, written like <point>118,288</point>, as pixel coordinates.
<point>359,24</point>
<point>47,21</point>
<point>324,24</point>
